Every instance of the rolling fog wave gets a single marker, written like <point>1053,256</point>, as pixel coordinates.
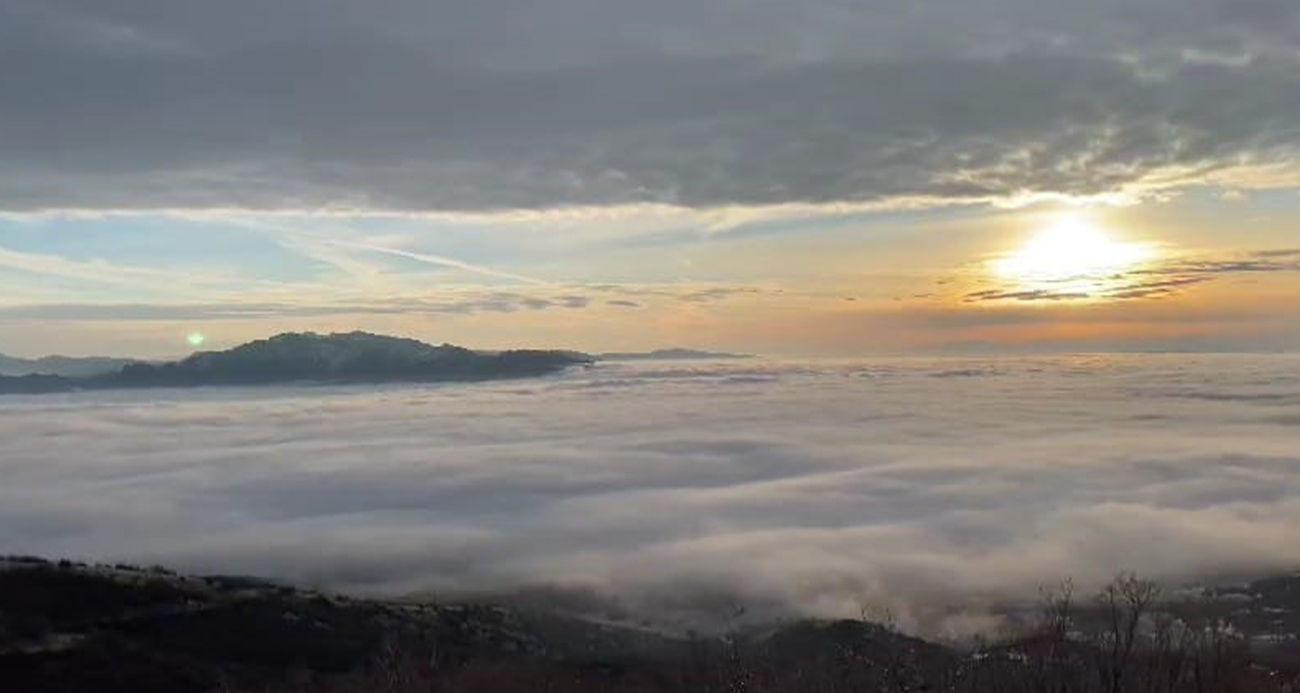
<point>933,487</point>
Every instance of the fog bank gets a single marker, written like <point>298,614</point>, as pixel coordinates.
<point>928,486</point>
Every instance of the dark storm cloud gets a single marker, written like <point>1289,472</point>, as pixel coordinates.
<point>438,105</point>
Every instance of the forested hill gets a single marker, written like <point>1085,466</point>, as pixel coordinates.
<point>351,357</point>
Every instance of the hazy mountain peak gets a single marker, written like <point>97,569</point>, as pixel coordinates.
<point>66,366</point>
<point>675,353</point>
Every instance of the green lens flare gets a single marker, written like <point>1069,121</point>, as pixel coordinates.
<point>196,339</point>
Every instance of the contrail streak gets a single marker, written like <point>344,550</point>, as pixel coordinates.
<point>442,262</point>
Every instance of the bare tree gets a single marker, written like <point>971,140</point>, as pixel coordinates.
<point>1125,604</point>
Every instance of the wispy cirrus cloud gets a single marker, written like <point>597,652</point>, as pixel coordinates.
<point>441,261</point>
<point>81,272</point>
<point>1156,280</point>
<point>1024,295</point>
<point>460,301</point>
<point>487,303</point>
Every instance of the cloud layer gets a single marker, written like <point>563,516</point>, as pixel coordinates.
<point>933,487</point>
<point>405,105</point>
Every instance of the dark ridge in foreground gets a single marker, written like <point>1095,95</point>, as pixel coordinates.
<point>74,627</point>
<point>354,357</point>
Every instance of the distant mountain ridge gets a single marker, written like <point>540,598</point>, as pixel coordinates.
<point>669,355</point>
<point>309,357</point>
<point>65,366</point>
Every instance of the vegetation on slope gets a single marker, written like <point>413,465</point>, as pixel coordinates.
<point>353,357</point>
<point>72,627</point>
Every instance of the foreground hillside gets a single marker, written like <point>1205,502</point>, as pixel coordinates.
<point>307,357</point>
<point>73,627</point>
<point>76,627</point>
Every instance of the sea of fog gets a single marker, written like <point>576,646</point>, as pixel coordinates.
<point>931,487</point>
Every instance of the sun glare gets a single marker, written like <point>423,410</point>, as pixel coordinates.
<point>1070,254</point>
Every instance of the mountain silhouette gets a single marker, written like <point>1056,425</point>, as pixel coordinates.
<point>66,366</point>
<point>353,357</point>
<point>669,355</point>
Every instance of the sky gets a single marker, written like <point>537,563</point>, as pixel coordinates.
<point>827,177</point>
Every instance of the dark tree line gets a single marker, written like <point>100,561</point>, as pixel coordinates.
<point>1127,638</point>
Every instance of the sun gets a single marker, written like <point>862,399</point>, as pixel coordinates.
<point>1071,252</point>
<point>196,339</point>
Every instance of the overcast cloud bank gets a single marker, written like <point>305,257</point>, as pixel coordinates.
<point>929,486</point>
<point>402,105</point>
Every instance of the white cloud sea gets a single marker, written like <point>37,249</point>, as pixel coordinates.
<point>930,486</point>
